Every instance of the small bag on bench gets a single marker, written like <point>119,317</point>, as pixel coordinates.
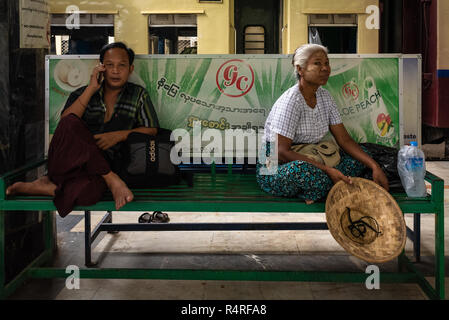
<point>146,161</point>
<point>325,152</point>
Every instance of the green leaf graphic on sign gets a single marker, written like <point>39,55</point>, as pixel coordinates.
<point>268,92</point>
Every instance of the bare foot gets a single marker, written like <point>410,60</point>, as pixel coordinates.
<point>309,201</point>
<point>120,191</point>
<point>39,187</point>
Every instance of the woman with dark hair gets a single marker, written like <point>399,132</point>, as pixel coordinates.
<point>304,114</point>
<point>95,119</point>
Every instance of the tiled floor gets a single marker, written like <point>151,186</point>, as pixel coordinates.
<point>253,250</point>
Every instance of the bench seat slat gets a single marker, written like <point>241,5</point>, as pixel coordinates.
<point>220,192</point>
<point>225,205</point>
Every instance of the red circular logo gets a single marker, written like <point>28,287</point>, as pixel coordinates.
<point>235,78</point>
<point>350,90</point>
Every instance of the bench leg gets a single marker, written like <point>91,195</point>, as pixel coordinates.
<point>109,220</point>
<point>89,236</point>
<point>439,253</point>
<point>417,236</point>
<point>401,262</point>
<point>88,241</point>
<point>2,256</point>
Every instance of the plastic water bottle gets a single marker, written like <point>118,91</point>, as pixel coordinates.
<point>412,169</point>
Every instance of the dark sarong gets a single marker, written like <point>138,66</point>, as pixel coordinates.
<point>75,166</point>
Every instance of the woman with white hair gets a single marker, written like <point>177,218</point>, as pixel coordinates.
<point>304,114</point>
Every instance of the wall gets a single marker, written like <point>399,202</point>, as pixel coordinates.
<point>443,39</point>
<point>442,67</point>
<point>295,26</point>
<point>295,30</point>
<point>215,32</point>
<point>436,68</point>
<point>4,89</point>
<point>232,35</point>
<point>22,132</point>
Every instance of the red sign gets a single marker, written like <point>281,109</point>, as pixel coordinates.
<point>235,78</point>
<point>350,90</point>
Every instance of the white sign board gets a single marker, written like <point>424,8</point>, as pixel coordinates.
<point>34,24</point>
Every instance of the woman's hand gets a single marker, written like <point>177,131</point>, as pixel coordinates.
<point>345,141</point>
<point>380,178</point>
<point>109,139</point>
<point>336,175</point>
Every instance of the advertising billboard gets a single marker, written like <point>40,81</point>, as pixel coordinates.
<point>238,91</point>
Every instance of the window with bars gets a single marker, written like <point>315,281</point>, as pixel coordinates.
<point>85,19</point>
<point>254,40</point>
<point>187,45</point>
<point>172,33</point>
<point>337,32</point>
<point>61,43</point>
<point>88,37</point>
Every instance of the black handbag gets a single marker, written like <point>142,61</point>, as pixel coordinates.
<point>145,161</point>
<point>387,158</point>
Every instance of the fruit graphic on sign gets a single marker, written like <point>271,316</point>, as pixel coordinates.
<point>71,74</point>
<point>384,124</point>
<point>380,118</point>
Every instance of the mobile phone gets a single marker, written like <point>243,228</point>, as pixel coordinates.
<point>100,77</point>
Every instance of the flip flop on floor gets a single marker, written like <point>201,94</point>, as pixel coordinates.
<point>156,217</point>
<point>159,217</point>
<point>145,218</point>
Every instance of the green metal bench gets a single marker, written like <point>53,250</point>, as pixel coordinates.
<point>214,192</point>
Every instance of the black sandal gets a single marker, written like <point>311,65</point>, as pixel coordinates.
<point>159,217</point>
<point>156,217</point>
<point>145,218</point>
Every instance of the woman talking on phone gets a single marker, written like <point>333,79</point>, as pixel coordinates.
<point>94,120</point>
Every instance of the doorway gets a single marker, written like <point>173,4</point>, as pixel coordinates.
<point>257,26</point>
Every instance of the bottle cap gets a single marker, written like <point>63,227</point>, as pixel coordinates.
<point>414,143</point>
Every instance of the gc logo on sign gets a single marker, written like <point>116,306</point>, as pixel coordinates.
<point>235,78</point>
<point>350,90</point>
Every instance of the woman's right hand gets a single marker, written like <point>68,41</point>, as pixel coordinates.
<point>336,175</point>
<point>96,77</point>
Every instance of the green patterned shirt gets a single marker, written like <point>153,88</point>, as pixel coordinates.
<point>133,109</point>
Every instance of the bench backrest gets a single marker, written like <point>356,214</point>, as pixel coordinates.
<point>231,92</point>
